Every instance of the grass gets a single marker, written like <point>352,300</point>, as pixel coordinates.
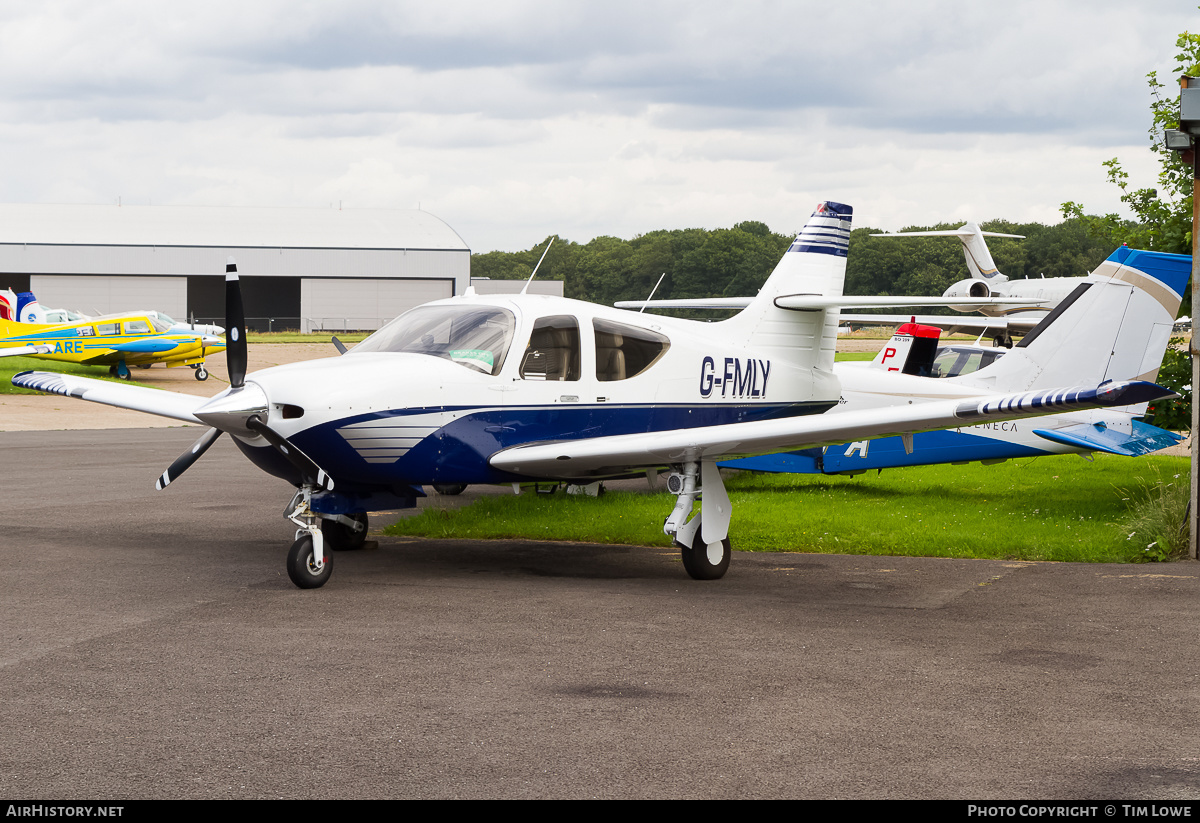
<point>348,338</point>
<point>10,366</point>
<point>1055,508</point>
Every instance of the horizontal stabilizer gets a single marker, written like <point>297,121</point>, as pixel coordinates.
<point>1144,439</point>
<point>137,398</point>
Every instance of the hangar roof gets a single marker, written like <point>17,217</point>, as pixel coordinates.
<point>295,228</point>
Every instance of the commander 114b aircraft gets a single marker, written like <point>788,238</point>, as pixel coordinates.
<point>511,388</point>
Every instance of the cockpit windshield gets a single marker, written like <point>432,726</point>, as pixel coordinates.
<point>477,337</point>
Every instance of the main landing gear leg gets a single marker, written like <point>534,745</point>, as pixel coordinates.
<point>703,541</point>
<point>308,564</point>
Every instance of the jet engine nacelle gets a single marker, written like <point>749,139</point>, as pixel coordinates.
<point>968,288</point>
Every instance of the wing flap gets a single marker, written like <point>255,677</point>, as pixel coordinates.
<point>606,456</point>
<point>138,398</point>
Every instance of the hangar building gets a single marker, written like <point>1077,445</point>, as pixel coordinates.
<point>312,269</point>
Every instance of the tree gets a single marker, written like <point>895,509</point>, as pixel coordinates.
<point>1164,214</point>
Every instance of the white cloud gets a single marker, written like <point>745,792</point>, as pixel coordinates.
<point>513,121</point>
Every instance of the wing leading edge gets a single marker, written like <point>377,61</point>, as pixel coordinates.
<point>138,398</point>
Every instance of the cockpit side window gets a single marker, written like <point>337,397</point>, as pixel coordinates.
<point>553,350</point>
<point>952,362</point>
<point>625,351</point>
<point>477,337</point>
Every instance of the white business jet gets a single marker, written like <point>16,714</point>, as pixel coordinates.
<point>1032,299</point>
<point>511,388</point>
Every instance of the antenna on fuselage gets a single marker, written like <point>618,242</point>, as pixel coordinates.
<point>652,291</point>
<point>538,266</point>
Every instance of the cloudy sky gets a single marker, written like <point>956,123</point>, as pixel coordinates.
<point>515,120</point>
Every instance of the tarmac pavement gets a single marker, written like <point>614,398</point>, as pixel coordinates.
<point>154,648</point>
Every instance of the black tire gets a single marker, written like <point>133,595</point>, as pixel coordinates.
<point>299,565</point>
<point>449,489</point>
<point>340,538</point>
<point>699,564</point>
<point>201,373</point>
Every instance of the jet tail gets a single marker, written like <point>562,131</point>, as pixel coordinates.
<point>975,250</point>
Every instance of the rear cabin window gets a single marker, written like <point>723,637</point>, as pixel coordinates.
<point>109,328</point>
<point>553,350</point>
<point>625,351</point>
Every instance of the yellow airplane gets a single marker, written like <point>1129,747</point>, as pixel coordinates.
<point>116,340</point>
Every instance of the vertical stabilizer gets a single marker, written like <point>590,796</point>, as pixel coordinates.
<point>815,263</point>
<point>1115,326</point>
<point>975,250</point>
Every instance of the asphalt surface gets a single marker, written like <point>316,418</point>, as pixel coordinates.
<point>154,648</point>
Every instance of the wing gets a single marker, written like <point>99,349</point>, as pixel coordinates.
<point>618,454</point>
<point>15,351</point>
<point>139,398</point>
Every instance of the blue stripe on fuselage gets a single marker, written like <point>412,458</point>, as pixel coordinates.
<point>459,451</point>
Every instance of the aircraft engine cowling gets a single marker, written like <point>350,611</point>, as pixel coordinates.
<point>968,288</point>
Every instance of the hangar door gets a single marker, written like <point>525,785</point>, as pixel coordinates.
<point>103,294</point>
<point>342,304</point>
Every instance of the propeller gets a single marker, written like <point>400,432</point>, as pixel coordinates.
<point>186,459</point>
<point>243,409</point>
<point>235,322</point>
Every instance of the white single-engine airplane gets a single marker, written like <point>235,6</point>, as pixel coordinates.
<point>510,388</point>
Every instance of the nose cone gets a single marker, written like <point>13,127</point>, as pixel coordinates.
<point>229,412</point>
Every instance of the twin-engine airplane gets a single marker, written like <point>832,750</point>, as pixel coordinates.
<point>511,388</point>
<point>1126,308</point>
<point>117,341</point>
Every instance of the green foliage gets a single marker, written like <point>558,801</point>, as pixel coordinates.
<point>735,262</point>
<point>1057,508</point>
<point>1163,213</point>
<point>1176,375</point>
<point>1157,513</point>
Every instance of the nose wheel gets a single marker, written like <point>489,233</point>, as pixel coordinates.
<point>303,567</point>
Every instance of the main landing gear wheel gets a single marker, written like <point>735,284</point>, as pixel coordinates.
<point>342,538</point>
<point>300,565</point>
<point>449,488</point>
<point>706,561</point>
<point>119,370</point>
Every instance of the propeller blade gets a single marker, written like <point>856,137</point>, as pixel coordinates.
<point>309,470</point>
<point>185,460</point>
<point>235,320</point>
